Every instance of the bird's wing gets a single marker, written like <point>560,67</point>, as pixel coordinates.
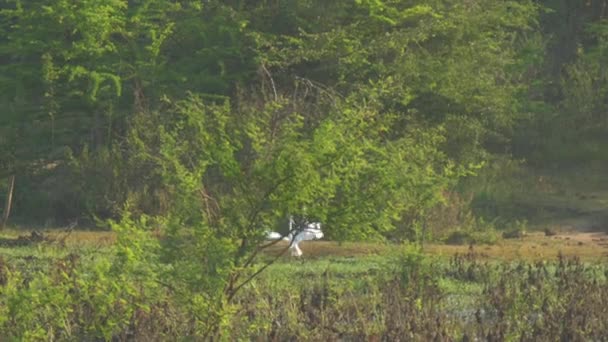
<point>313,232</point>
<point>273,236</point>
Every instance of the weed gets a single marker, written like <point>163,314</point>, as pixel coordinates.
<point>369,293</point>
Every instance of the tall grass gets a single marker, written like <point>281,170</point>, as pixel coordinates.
<point>403,295</point>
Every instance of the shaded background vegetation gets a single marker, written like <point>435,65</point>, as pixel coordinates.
<point>86,86</point>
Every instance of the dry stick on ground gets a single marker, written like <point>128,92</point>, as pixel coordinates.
<point>8,202</point>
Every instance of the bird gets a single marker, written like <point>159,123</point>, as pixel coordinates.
<point>298,232</point>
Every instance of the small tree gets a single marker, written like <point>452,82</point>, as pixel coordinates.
<point>234,172</point>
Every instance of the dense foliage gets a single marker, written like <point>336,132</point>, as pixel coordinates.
<point>87,86</point>
<point>194,127</point>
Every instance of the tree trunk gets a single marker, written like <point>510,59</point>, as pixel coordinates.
<point>8,202</point>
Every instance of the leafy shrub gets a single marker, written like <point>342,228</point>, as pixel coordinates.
<point>488,236</point>
<point>518,231</point>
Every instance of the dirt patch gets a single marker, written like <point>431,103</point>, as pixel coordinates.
<point>599,238</point>
<point>590,246</point>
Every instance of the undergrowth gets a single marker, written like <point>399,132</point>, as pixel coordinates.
<point>403,295</point>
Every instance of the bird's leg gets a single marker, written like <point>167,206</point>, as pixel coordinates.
<point>295,250</point>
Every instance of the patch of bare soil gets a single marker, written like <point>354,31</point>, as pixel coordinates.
<point>598,238</point>
<point>587,229</point>
<point>575,216</point>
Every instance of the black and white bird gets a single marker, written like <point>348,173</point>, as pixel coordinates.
<point>298,232</point>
